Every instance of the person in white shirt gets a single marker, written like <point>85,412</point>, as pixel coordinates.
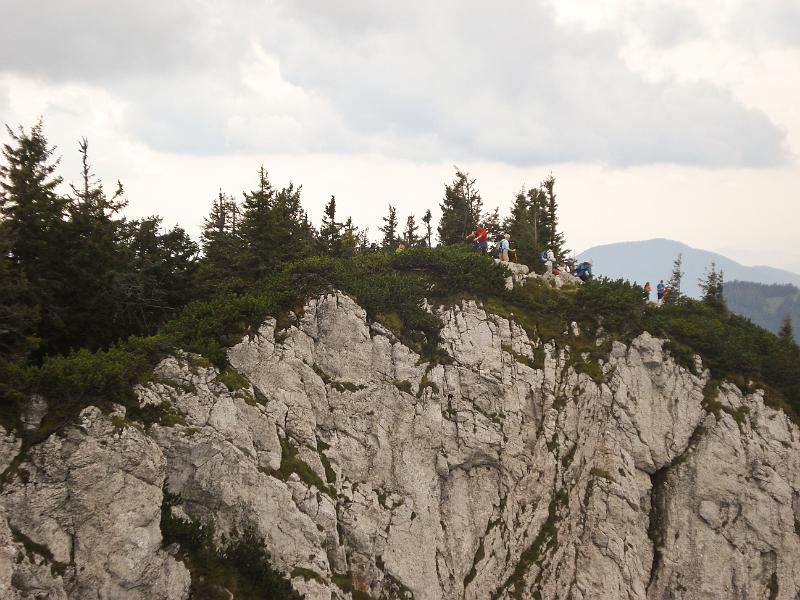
<point>504,246</point>
<point>551,259</point>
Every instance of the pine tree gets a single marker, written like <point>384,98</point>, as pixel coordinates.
<point>786,332</point>
<point>223,248</point>
<point>553,238</point>
<point>19,317</point>
<point>461,209</point>
<point>29,201</point>
<point>494,226</point>
<point>674,284</point>
<point>162,275</point>
<point>258,229</point>
<point>410,238</point>
<point>526,225</point>
<point>96,265</point>
<point>712,286</point>
<point>389,229</point>
<point>427,218</point>
<point>293,235</point>
<point>351,238</point>
<point>330,233</point>
<point>33,212</point>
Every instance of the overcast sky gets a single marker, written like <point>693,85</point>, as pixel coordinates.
<point>670,119</point>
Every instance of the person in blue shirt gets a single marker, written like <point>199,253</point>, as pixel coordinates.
<point>660,292</point>
<point>584,270</point>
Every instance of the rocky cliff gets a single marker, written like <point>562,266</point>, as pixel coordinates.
<point>370,473</point>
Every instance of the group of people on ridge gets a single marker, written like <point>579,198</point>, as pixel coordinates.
<point>662,292</point>
<point>502,248</point>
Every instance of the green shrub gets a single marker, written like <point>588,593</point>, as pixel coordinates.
<point>239,565</point>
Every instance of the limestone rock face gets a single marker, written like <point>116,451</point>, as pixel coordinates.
<point>81,517</point>
<point>503,474</point>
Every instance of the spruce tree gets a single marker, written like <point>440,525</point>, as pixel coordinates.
<point>258,229</point>
<point>675,279</point>
<point>96,264</point>
<point>389,229</point>
<point>410,238</point>
<point>219,270</point>
<point>553,238</point>
<point>711,286</point>
<point>34,215</point>
<point>351,238</point>
<point>162,276</point>
<point>427,218</point>
<point>461,209</point>
<point>29,200</point>
<point>521,230</point>
<point>293,234</point>
<point>330,233</point>
<point>494,226</point>
<point>19,317</point>
<point>786,332</point>
<point>526,225</point>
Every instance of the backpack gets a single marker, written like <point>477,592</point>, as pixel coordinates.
<point>498,246</point>
<point>543,256</point>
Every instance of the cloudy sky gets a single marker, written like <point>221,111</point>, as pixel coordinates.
<point>658,118</point>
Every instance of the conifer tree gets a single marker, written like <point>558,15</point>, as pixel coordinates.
<point>675,279</point>
<point>19,317</point>
<point>294,236</point>
<point>330,233</point>
<point>162,275</point>
<point>351,238</point>
<point>29,201</point>
<point>526,225</point>
<point>389,229</point>
<point>427,218</point>
<point>461,209</point>
<point>33,212</point>
<point>96,264</point>
<point>712,286</point>
<point>786,332</point>
<point>410,238</point>
<point>223,248</point>
<point>553,238</point>
<point>258,228</point>
<point>494,226</point>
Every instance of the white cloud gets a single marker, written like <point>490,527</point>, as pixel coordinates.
<point>453,79</point>
<point>375,101</point>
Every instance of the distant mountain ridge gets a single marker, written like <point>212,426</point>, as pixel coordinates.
<point>765,305</point>
<point>651,260</point>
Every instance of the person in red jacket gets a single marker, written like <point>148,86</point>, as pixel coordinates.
<point>481,237</point>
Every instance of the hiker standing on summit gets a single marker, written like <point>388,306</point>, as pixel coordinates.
<point>660,292</point>
<point>504,247</point>
<point>481,237</point>
<point>548,258</point>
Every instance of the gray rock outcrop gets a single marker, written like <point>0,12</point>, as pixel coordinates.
<point>515,471</point>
